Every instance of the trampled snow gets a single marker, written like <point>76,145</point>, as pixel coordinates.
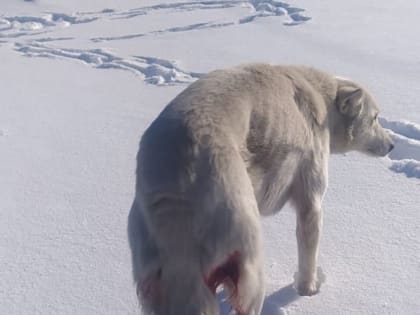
<point>81,80</point>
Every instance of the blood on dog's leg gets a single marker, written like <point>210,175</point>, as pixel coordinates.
<point>248,295</point>
<point>242,280</point>
<point>226,274</point>
<point>238,229</point>
<point>243,283</point>
<point>149,292</point>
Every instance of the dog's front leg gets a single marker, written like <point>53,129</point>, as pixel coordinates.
<point>308,230</point>
<point>308,193</point>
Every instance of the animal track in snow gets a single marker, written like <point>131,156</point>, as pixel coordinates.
<point>405,158</point>
<point>259,8</point>
<point>17,26</point>
<point>152,70</point>
<point>197,26</point>
<point>265,8</point>
<point>18,30</point>
<point>52,39</point>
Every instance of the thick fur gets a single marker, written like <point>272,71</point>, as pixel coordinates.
<point>237,144</point>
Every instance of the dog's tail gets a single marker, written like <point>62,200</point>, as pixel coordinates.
<point>168,284</point>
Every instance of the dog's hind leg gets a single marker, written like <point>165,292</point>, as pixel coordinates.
<point>243,281</point>
<point>247,295</point>
<point>237,234</point>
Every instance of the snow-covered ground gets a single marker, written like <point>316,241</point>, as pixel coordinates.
<point>81,80</point>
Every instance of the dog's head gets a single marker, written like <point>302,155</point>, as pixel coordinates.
<point>356,125</point>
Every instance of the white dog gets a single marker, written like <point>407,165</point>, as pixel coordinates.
<point>235,145</point>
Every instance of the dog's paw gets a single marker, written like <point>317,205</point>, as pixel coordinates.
<point>309,287</point>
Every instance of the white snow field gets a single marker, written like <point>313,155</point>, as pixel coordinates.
<point>81,80</point>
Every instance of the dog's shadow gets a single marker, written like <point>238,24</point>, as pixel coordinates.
<point>275,301</point>
<point>272,304</point>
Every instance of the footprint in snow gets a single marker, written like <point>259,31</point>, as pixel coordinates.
<point>405,158</point>
<point>258,9</point>
<point>10,26</point>
<point>153,70</point>
<point>21,26</point>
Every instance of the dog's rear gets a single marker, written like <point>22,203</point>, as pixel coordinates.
<point>194,225</point>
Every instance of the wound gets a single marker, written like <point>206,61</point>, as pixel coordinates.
<point>150,288</point>
<point>228,272</point>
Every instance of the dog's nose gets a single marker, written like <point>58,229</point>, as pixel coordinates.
<point>391,146</point>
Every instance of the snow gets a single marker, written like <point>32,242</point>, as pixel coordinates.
<point>405,158</point>
<point>80,82</point>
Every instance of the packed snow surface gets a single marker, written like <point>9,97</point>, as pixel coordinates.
<point>81,80</point>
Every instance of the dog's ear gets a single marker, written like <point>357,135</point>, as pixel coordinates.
<point>349,101</point>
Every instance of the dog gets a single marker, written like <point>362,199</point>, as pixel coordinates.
<point>234,145</point>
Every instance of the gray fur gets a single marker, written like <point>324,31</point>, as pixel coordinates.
<point>234,145</point>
